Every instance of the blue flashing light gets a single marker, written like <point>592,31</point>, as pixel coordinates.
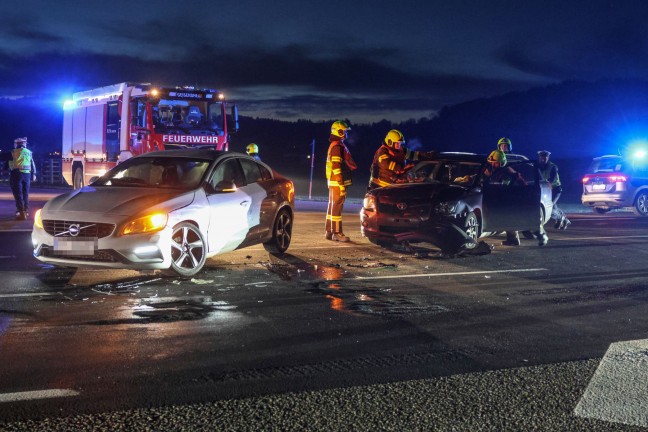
<point>69,104</point>
<point>640,154</point>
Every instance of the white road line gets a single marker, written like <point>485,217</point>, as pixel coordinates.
<point>617,392</point>
<point>36,294</point>
<point>37,394</point>
<point>598,238</point>
<point>450,274</point>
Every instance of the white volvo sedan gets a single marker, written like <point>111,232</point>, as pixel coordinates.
<point>169,211</point>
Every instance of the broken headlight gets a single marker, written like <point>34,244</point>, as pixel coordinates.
<point>446,208</point>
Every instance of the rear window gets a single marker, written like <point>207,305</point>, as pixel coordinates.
<point>606,165</point>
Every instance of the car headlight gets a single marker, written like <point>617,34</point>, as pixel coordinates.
<point>38,220</point>
<point>149,223</point>
<point>369,202</point>
<point>446,208</point>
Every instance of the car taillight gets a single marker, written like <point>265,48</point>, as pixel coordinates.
<point>611,178</point>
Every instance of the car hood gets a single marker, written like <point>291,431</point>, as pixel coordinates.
<point>438,192</point>
<point>117,201</point>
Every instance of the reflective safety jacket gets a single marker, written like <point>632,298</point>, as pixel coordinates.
<point>550,173</point>
<point>22,160</point>
<point>387,169</point>
<point>339,165</point>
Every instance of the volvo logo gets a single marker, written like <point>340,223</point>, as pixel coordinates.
<point>74,230</point>
<point>401,206</point>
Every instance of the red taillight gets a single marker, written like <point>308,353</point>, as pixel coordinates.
<point>611,178</point>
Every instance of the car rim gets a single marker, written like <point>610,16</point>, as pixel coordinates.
<point>642,203</point>
<point>186,248</point>
<point>471,228</point>
<point>284,230</point>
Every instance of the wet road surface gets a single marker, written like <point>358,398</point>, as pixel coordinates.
<point>325,317</point>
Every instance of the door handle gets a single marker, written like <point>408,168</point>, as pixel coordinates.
<point>245,203</point>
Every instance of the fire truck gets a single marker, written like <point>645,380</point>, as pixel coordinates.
<point>107,125</point>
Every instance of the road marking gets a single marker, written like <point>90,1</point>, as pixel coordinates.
<point>37,394</point>
<point>599,238</point>
<point>617,392</point>
<point>451,274</point>
<point>36,294</point>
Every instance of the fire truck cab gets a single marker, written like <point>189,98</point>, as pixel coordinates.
<point>106,125</point>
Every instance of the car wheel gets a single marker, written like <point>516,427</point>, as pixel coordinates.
<point>188,250</point>
<point>600,210</point>
<point>77,178</point>
<point>641,204</point>
<point>471,226</point>
<point>281,233</point>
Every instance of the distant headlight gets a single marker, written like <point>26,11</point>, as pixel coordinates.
<point>149,223</point>
<point>369,202</point>
<point>447,208</point>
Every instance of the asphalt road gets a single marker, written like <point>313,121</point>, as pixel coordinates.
<point>334,336</point>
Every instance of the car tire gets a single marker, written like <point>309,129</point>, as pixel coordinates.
<point>188,250</point>
<point>77,178</point>
<point>472,226</point>
<point>600,210</point>
<point>641,204</point>
<point>281,233</point>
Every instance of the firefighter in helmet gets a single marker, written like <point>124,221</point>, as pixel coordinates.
<point>253,150</point>
<point>504,144</point>
<point>339,165</point>
<point>390,162</point>
<point>22,172</point>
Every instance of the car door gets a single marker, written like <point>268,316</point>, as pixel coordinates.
<point>255,187</point>
<point>229,204</point>
<point>509,203</point>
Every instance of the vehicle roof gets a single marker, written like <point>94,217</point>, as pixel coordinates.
<point>609,157</point>
<point>201,153</point>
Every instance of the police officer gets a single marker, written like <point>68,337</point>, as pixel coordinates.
<point>339,165</point>
<point>549,171</point>
<point>390,161</point>
<point>253,150</point>
<point>22,172</point>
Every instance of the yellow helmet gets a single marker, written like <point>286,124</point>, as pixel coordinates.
<point>252,149</point>
<point>497,156</point>
<point>504,140</point>
<point>339,127</point>
<point>395,139</point>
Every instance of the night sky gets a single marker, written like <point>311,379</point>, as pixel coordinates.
<point>284,59</point>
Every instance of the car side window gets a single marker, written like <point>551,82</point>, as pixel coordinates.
<point>265,172</point>
<point>251,171</point>
<point>227,171</point>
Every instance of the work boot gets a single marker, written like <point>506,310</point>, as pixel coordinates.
<point>560,222</point>
<point>19,215</point>
<point>565,223</point>
<point>511,242</point>
<point>340,237</point>
<point>543,238</point>
<point>481,248</point>
<point>22,216</point>
<point>328,235</point>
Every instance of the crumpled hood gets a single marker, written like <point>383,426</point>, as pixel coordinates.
<point>117,201</point>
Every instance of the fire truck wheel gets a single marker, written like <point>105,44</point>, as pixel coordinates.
<point>188,251</point>
<point>77,178</point>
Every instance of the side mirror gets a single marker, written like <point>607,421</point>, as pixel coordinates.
<point>225,186</point>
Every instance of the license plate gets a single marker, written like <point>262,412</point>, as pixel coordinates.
<point>598,187</point>
<point>75,246</point>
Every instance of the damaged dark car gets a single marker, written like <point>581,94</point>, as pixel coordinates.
<point>453,201</point>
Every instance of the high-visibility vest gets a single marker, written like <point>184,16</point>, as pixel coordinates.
<point>22,160</point>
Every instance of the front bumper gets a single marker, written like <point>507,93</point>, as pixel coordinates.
<point>148,251</point>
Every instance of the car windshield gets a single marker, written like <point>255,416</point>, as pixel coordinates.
<point>606,165</point>
<point>457,172</point>
<point>157,172</point>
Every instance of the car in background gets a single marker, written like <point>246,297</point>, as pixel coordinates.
<point>169,211</point>
<point>454,189</point>
<point>614,182</point>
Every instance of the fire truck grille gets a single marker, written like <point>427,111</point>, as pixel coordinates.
<point>60,228</point>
